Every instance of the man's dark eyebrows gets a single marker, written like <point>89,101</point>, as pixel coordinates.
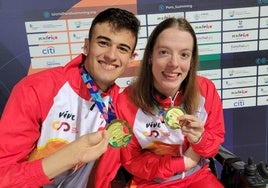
<point>103,37</point>
<point>108,39</point>
<point>125,45</point>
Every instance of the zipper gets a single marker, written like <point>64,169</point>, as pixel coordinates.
<point>172,101</point>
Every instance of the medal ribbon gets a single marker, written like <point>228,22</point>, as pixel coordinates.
<point>160,113</point>
<point>93,90</point>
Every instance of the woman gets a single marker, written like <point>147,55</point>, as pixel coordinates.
<point>176,155</point>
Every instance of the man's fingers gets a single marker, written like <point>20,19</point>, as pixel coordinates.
<point>95,137</point>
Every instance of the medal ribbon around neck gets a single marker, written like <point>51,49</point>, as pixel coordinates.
<point>119,131</point>
<point>93,90</point>
<point>160,113</point>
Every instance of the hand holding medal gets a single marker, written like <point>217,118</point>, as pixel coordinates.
<point>171,117</point>
<point>120,133</point>
<point>193,128</point>
<point>119,130</point>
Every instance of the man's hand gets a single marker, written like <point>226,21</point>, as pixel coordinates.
<point>86,148</point>
<point>91,146</point>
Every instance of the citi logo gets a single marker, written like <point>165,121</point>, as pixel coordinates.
<point>49,50</point>
<point>239,103</point>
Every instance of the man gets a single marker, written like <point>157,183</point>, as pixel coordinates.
<point>48,130</point>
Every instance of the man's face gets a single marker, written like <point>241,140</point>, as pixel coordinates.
<point>109,52</point>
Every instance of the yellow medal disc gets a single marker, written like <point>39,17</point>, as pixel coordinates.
<point>171,117</point>
<point>120,133</point>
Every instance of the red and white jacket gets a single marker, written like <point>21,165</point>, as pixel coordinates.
<point>151,134</point>
<point>46,111</point>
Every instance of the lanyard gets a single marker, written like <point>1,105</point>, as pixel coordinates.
<point>160,113</point>
<point>93,90</point>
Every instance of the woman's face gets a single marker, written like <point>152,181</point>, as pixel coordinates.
<point>171,60</point>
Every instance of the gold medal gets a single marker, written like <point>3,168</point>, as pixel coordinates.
<point>120,133</point>
<point>171,117</point>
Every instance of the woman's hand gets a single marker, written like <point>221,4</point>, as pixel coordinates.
<point>192,158</point>
<point>193,127</point>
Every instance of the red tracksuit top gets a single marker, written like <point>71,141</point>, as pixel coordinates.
<point>150,133</point>
<point>47,110</point>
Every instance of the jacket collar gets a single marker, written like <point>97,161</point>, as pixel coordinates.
<point>75,80</point>
<point>167,102</point>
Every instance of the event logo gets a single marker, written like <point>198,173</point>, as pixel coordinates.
<point>64,125</point>
<point>57,125</point>
<point>261,61</point>
<point>241,35</point>
<point>67,115</point>
<point>203,27</point>
<point>46,14</point>
<point>49,37</point>
<point>165,17</point>
<point>240,24</point>
<point>260,2</point>
<point>77,24</point>
<point>239,92</point>
<point>153,125</point>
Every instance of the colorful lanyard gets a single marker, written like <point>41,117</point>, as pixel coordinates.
<point>160,113</point>
<point>93,90</point>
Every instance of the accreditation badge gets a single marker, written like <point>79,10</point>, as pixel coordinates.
<point>120,133</point>
<point>171,117</point>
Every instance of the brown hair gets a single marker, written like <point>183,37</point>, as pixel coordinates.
<point>143,89</point>
<point>118,19</point>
